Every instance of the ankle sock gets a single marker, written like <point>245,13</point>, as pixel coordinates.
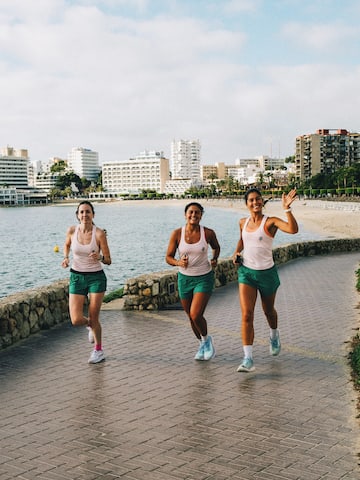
<point>248,351</point>
<point>273,333</point>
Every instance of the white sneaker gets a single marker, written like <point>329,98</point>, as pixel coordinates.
<point>96,356</point>
<point>90,335</point>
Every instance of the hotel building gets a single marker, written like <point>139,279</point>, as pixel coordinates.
<point>325,151</point>
<point>147,171</point>
<point>84,162</point>
<point>14,167</point>
<point>185,160</point>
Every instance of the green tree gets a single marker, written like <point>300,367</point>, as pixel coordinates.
<point>66,180</point>
<point>58,167</point>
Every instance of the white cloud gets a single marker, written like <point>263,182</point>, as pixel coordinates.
<point>321,37</point>
<point>81,76</point>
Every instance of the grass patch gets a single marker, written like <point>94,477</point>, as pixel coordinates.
<point>358,280</point>
<point>115,294</point>
<point>354,358</point>
<point>354,355</point>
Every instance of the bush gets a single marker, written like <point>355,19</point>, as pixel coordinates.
<point>115,294</point>
<point>354,355</point>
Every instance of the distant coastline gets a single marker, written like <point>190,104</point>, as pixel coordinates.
<point>337,219</point>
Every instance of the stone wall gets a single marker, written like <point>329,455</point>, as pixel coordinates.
<point>25,313</point>
<point>156,290</point>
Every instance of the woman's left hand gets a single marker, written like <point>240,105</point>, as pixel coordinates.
<point>288,199</point>
<point>213,262</point>
<point>94,256</point>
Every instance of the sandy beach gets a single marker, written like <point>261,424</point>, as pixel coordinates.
<point>329,218</point>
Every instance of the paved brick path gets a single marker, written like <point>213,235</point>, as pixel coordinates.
<point>150,412</point>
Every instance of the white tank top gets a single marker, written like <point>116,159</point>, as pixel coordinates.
<point>257,253</point>
<point>81,261</point>
<point>198,263</point>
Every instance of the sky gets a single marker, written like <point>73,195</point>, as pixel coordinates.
<point>245,77</point>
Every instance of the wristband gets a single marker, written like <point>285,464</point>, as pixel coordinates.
<point>288,210</point>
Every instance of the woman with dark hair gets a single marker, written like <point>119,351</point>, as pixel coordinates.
<point>257,272</point>
<point>87,277</point>
<point>196,276</point>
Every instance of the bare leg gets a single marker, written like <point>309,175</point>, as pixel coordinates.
<point>95,302</point>
<point>195,308</point>
<point>269,310</point>
<point>76,308</point>
<point>248,297</point>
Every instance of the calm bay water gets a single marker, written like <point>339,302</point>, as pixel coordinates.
<point>138,236</point>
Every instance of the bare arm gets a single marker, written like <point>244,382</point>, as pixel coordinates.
<point>214,244</point>
<point>240,245</point>
<point>289,226</point>
<point>172,248</point>
<point>67,245</point>
<point>103,245</point>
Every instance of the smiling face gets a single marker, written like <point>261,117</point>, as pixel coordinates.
<point>254,202</point>
<point>85,213</point>
<point>193,215</point>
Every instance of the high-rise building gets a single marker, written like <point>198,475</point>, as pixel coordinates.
<point>84,162</point>
<point>185,160</point>
<point>325,151</point>
<point>147,171</point>
<point>14,167</point>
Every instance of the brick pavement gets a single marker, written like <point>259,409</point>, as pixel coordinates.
<point>150,412</point>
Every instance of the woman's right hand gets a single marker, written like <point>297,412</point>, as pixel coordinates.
<point>237,258</point>
<point>184,260</point>
<point>65,262</point>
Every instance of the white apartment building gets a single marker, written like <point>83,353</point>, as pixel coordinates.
<point>14,165</point>
<point>147,171</point>
<point>84,162</point>
<point>46,180</point>
<point>178,187</point>
<point>185,160</point>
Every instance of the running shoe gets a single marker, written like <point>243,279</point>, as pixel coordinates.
<point>247,365</point>
<point>200,353</point>
<point>275,345</point>
<point>209,349</point>
<point>90,335</point>
<point>96,356</point>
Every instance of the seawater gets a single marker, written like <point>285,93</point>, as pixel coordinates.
<point>138,236</point>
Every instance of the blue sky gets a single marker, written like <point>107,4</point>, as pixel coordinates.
<point>245,77</point>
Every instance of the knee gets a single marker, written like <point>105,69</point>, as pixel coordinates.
<point>78,320</point>
<point>94,323</point>
<point>248,317</point>
<point>270,313</point>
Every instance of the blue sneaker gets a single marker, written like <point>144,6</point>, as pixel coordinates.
<point>209,349</point>
<point>247,365</point>
<point>200,353</point>
<point>275,345</point>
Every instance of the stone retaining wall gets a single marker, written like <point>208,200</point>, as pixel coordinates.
<point>25,313</point>
<point>156,290</point>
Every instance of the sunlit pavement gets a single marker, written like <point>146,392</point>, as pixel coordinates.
<point>150,412</point>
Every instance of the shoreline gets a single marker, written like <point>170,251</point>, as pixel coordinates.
<point>332,219</point>
<point>327,218</point>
